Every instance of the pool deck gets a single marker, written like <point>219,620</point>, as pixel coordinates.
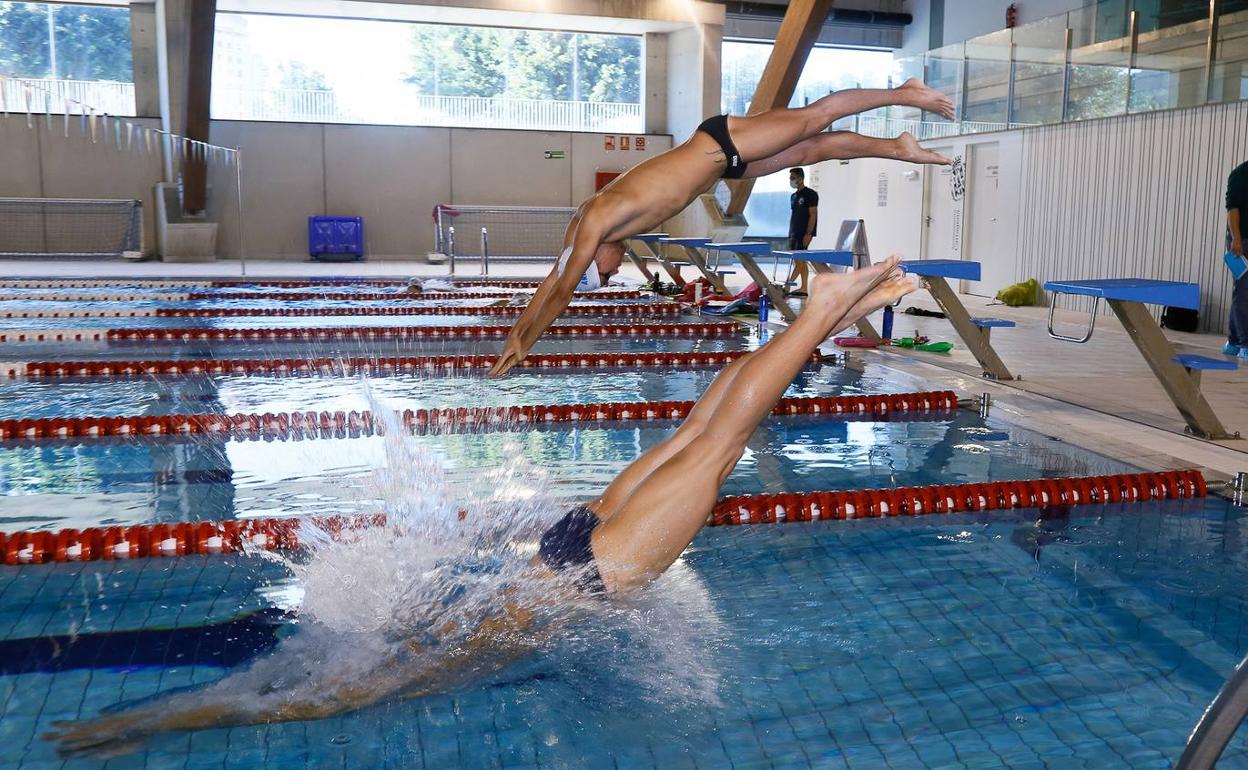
<point>1100,395</point>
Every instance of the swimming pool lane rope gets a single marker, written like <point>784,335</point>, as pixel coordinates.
<point>352,366</point>
<point>160,283</point>
<point>634,309</point>
<point>216,537</point>
<point>363,333</point>
<point>339,424</point>
<point>294,296</point>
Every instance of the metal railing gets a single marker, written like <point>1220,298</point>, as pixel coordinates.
<point>325,106</point>
<point>49,95</point>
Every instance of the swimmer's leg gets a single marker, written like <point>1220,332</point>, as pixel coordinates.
<point>664,512</point>
<point>761,136</point>
<point>694,423</point>
<point>844,145</point>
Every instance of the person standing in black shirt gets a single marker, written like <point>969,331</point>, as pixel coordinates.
<point>803,226</point>
<point>1236,206</point>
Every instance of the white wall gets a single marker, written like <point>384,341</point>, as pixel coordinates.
<point>393,176</point>
<point>850,190</point>
<point>41,162</point>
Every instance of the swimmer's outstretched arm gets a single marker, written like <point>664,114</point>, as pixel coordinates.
<point>552,297</point>
<point>235,700</point>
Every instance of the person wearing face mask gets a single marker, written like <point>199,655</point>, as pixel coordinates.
<point>803,226</point>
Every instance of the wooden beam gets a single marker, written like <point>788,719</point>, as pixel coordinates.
<point>801,26</point>
<point>198,101</point>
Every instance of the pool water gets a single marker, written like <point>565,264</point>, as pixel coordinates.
<point>1093,637</point>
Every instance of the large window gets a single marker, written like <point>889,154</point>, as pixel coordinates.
<point>327,70</point>
<point>62,51</point>
<point>827,70</point>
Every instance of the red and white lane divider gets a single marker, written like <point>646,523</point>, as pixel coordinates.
<point>272,534</point>
<point>311,425</point>
<point>145,313</point>
<point>131,297</point>
<point>363,296</point>
<point>705,329</point>
<point>359,365</point>
<point>630,309</point>
<point>89,283</point>
<point>957,498</point>
<point>358,333</point>
<point>502,284</point>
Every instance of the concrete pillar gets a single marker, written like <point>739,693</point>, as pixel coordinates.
<point>693,77</point>
<point>654,83</point>
<point>143,55</point>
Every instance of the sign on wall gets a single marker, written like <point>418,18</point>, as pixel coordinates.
<point>608,143</point>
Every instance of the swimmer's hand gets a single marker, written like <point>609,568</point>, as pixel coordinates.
<point>514,351</point>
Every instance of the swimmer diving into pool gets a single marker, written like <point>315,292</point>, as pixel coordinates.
<point>603,551</point>
<point>728,147</point>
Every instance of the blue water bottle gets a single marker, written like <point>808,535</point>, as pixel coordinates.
<point>887,332</point>
<point>763,304</point>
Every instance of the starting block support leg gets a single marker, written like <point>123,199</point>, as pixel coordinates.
<point>644,251</point>
<point>698,260</point>
<point>976,340</point>
<point>1182,389</point>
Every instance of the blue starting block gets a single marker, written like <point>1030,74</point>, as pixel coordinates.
<point>1172,293</point>
<point>1193,362</point>
<point>695,242</point>
<point>649,237</point>
<point>992,323</point>
<point>1178,374</point>
<point>957,269</point>
<point>821,256</point>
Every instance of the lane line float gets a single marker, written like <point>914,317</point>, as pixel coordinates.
<point>271,534</point>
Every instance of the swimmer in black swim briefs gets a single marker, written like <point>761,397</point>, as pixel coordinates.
<point>654,508</point>
<point>724,146</point>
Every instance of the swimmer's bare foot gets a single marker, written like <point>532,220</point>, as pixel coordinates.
<point>909,149</point>
<point>100,738</point>
<point>916,93</point>
<point>832,292</point>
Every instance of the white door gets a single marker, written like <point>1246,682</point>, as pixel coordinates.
<point>985,246</point>
<point>942,209</point>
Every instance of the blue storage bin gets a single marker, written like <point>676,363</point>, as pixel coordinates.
<point>330,239</point>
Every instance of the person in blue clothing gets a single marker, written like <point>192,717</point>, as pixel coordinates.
<point>1236,204</point>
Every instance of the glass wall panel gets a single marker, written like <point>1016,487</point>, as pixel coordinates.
<point>1039,71</point>
<point>1230,71</point>
<point>944,73</point>
<point>1170,62</point>
<point>987,82</point>
<point>66,52</point>
<point>1099,62</point>
<point>336,70</point>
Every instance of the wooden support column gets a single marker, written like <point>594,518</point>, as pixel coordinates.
<point>198,101</point>
<point>801,26</point>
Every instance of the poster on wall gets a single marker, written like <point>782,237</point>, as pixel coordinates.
<point>957,191</point>
<point>639,143</point>
<point>608,143</point>
<point>624,143</point>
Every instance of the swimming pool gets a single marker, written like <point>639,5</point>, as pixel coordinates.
<point>1091,639</point>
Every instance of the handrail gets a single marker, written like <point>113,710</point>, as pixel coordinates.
<point>1096,301</point>
<point>1219,722</point>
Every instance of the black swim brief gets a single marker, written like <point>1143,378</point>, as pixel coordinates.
<point>717,128</point>
<point>566,546</point>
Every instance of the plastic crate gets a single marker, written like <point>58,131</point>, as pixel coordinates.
<point>336,239</point>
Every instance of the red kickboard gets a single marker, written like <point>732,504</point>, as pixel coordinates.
<point>856,342</point>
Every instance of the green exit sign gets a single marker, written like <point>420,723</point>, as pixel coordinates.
<point>555,155</point>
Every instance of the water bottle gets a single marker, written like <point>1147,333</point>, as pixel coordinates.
<point>763,303</point>
<point>887,332</point>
